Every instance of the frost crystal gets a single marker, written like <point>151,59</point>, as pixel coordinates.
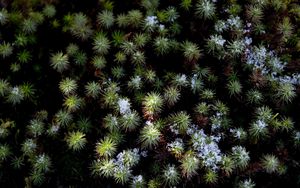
<point>124,106</point>
<point>151,21</point>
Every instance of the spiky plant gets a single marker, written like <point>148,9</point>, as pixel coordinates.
<point>118,72</point>
<point>171,95</point>
<point>3,16</point>
<point>29,146</point>
<point>134,18</point>
<point>248,183</point>
<point>170,175</point>
<point>103,167</point>
<point>4,87</point>
<point>15,95</point>
<point>6,49</point>
<point>137,182</point>
<point>106,147</point>
<point>240,157</point>
<point>72,49</point>
<point>68,86</point>
<point>208,94</point>
<point>234,87</point>
<point>235,48</point>
<point>254,13</point>
<point>285,92</point>
<point>191,51</point>
<point>35,128</point>
<point>227,165</point>
<point>210,177</point>
<point>140,39</point>
<point>37,178</point>
<point>122,20</point>
<point>80,58</point>
<point>152,104</point>
<point>215,45</point>
<point>63,117</point>
<point>180,120</point>
<point>205,9</point>
<point>60,61</point>
<point>258,130</point>
<point>101,44</point>
<point>42,163</point>
<point>285,28</point>
<point>138,58</point>
<point>149,136</point>
<point>106,19</point>
<point>24,56</point>
<point>254,96</point>
<point>189,164</point>
<point>270,163</point>
<point>5,152</point>
<point>120,57</point>
<point>76,140</point>
<point>162,45</point>
<point>92,89</point>
<point>49,11</point>
<point>130,121</point>
<point>99,62</point>
<point>29,26</point>
<point>80,26</point>
<point>73,103</point>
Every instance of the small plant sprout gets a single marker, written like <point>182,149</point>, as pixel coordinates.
<point>15,95</point>
<point>130,121</point>
<point>134,18</point>
<point>171,175</point>
<point>106,147</point>
<point>270,163</point>
<point>248,183</point>
<point>191,51</point>
<point>42,163</point>
<point>176,147</point>
<point>254,96</point>
<point>171,95</point>
<point>63,117</point>
<point>162,45</point>
<point>240,157</point>
<point>5,152</point>
<point>254,13</point>
<point>73,103</point>
<point>49,11</point>
<point>152,104</point>
<point>211,177</point>
<point>76,140</point>
<point>103,167</point>
<point>179,121</point>
<point>137,182</point>
<point>205,9</point>
<point>6,49</point>
<point>3,16</point>
<point>60,61</point>
<point>99,62</point>
<point>68,86</point>
<point>35,128</point>
<point>101,44</point>
<point>149,136</point>
<point>80,26</point>
<point>92,89</point>
<point>4,87</point>
<point>285,92</point>
<point>189,165</point>
<point>106,19</point>
<point>258,130</point>
<point>227,165</point>
<point>234,87</point>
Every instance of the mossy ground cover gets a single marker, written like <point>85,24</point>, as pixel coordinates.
<point>149,93</point>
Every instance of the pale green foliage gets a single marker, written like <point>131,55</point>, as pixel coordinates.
<point>149,136</point>
<point>60,61</point>
<point>76,140</point>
